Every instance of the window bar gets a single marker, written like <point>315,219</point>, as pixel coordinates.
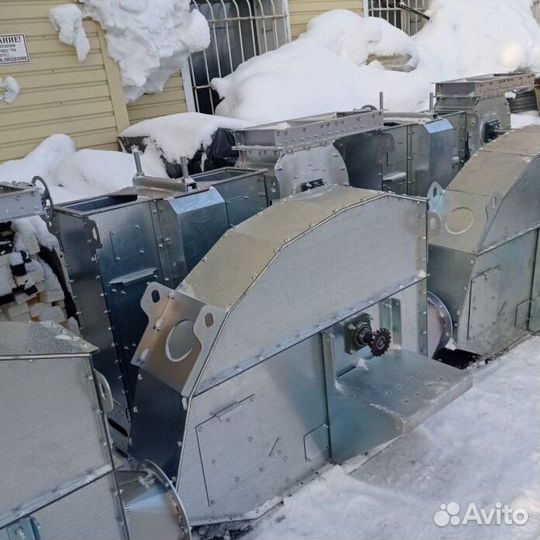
<point>240,36</point>
<point>263,22</point>
<point>228,39</point>
<point>194,87</point>
<point>212,105</point>
<point>390,11</point>
<point>225,18</point>
<point>275,23</point>
<point>255,48</point>
<point>193,75</point>
<point>215,40</point>
<point>216,49</point>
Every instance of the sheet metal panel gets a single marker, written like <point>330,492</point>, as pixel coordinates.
<point>484,303</point>
<point>249,334</point>
<point>51,438</point>
<point>497,324</point>
<point>273,229</point>
<point>19,200</point>
<point>383,399</point>
<point>246,439</point>
<point>55,441</point>
<point>534,324</point>
<point>93,512</point>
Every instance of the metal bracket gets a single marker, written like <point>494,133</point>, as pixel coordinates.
<point>24,529</point>
<point>105,392</point>
<point>362,321</point>
<point>434,195</point>
<point>92,234</point>
<point>19,200</point>
<point>390,312</point>
<point>523,312</point>
<point>146,274</point>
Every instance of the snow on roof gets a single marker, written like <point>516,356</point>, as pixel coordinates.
<point>343,60</point>
<point>182,134</point>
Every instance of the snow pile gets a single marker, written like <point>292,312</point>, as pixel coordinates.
<point>341,61</point>
<point>361,40</point>
<point>483,448</point>
<point>181,134</point>
<point>42,161</point>
<point>73,175</point>
<point>67,19</point>
<point>525,119</point>
<point>88,173</point>
<point>27,228</point>
<point>314,74</point>
<point>150,39</point>
<point>481,36</point>
<point>9,89</point>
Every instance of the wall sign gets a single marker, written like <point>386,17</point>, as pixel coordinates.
<point>13,49</point>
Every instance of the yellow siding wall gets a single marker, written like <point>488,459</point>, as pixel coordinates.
<point>302,11</point>
<point>171,101</point>
<point>85,100</point>
<point>58,94</point>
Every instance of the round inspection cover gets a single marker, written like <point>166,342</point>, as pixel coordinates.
<point>180,341</point>
<point>459,221</point>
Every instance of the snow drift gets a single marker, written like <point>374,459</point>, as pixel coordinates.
<point>343,60</point>
<point>88,173</point>
<point>42,161</point>
<point>481,36</point>
<point>73,175</point>
<point>150,39</point>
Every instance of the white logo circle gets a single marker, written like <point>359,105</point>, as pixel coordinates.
<point>448,514</point>
<point>441,518</point>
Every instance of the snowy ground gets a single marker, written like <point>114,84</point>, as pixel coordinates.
<point>482,449</point>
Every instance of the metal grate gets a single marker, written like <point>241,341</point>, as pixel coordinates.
<point>239,30</point>
<point>536,10</point>
<point>405,20</point>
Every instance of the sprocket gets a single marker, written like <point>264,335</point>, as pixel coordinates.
<point>380,342</point>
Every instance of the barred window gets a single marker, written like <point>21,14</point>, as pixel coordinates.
<point>397,14</point>
<point>239,30</point>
